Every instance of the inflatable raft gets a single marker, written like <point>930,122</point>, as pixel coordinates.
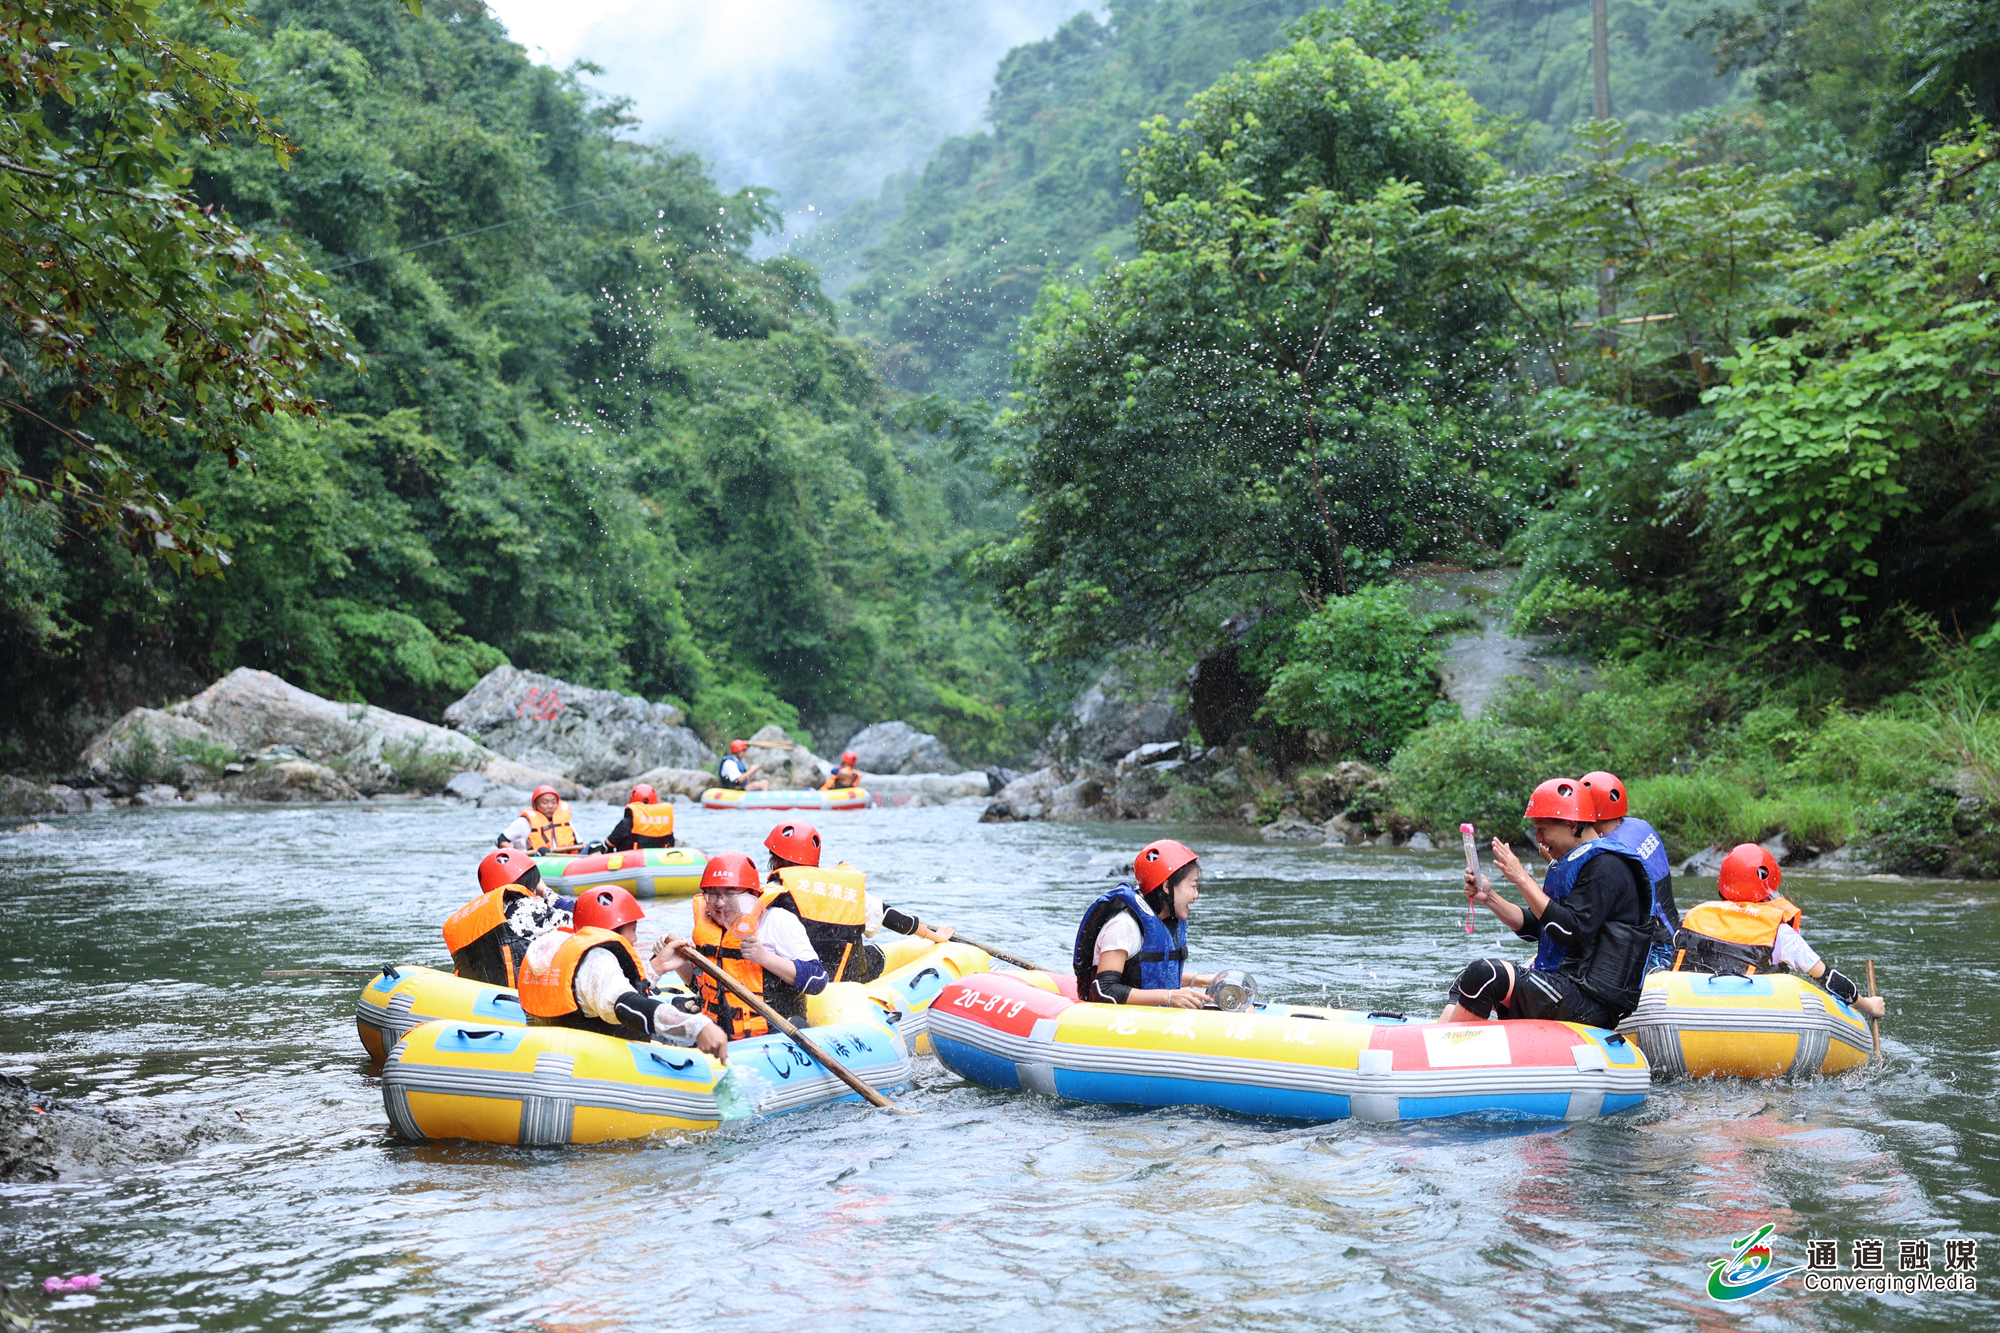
<point>798,798</point>
<point>1694,1025</point>
<point>548,1085</point>
<point>1003,1030</point>
<point>651,872</point>
<point>915,970</point>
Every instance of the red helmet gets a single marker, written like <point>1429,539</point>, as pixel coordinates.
<point>738,747</point>
<point>1749,874</point>
<point>1157,861</point>
<point>643,794</point>
<point>1561,798</point>
<point>849,758</point>
<point>730,870</point>
<point>505,867</point>
<point>607,907</point>
<point>1607,795</point>
<point>797,842</point>
<point>544,790</point>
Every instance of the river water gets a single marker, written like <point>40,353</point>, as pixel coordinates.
<point>131,971</point>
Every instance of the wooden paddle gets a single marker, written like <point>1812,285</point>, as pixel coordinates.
<point>1001,954</point>
<point>1874,1024</point>
<point>771,1016</point>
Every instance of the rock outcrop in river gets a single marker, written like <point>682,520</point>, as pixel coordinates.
<point>253,736</point>
<point>42,1138</point>
<point>593,736</point>
<point>898,747</point>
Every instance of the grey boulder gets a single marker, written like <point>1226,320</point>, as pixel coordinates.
<point>593,736</point>
<point>1114,717</point>
<point>898,747</point>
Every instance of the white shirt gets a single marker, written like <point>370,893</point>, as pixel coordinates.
<point>1791,949</point>
<point>517,832</point>
<point>783,933</point>
<point>601,982</point>
<point>733,769</point>
<point>1120,932</point>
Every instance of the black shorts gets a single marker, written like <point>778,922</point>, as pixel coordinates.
<point>1479,989</point>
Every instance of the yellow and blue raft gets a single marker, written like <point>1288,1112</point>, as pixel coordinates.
<point>1692,1025</point>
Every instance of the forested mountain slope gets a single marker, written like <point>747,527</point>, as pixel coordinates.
<point>954,253</point>
<point>606,443</point>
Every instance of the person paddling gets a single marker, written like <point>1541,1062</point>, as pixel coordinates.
<point>1752,928</point>
<point>834,904</point>
<point>739,927</point>
<point>590,977</point>
<point>1589,924</point>
<point>1608,800</point>
<point>1131,945</point>
<point>543,827</point>
<point>736,774</point>
<point>648,822</point>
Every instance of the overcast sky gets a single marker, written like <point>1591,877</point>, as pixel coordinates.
<point>756,85</point>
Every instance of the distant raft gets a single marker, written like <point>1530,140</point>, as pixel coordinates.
<point>1692,1025</point>
<point>651,872</point>
<point>538,1086</point>
<point>1002,1030</point>
<point>797,798</point>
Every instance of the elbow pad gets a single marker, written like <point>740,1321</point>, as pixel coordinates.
<point>811,978</point>
<point>900,922</point>
<point>1111,986</point>
<point>636,1011</point>
<point>1841,987</point>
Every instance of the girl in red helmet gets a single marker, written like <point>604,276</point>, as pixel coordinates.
<point>543,827</point>
<point>1131,945</point>
<point>1589,923</point>
<point>590,977</point>
<point>847,775</point>
<point>1753,928</point>
<point>834,904</point>
<point>489,936</point>
<point>648,821</point>
<point>739,928</point>
<point>736,773</point>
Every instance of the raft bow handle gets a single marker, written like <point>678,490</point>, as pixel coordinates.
<point>390,972</point>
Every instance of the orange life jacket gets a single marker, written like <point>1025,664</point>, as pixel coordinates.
<point>484,946</point>
<point>548,981</point>
<point>842,777</point>
<point>546,833</point>
<point>833,907</point>
<point>651,821</point>
<point>1732,938</point>
<point>725,949</point>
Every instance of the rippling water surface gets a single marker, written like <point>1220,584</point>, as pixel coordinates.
<point>131,966</point>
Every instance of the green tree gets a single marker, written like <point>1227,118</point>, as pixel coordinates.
<point>1278,387</point>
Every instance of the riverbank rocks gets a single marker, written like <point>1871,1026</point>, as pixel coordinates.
<point>18,796</point>
<point>593,736</point>
<point>1113,717</point>
<point>897,747</point>
<point>228,736</point>
<point>689,783</point>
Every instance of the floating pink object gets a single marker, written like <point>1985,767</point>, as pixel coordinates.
<point>63,1286</point>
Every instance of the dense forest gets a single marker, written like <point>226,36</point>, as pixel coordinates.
<point>343,340</point>
<point>607,443</point>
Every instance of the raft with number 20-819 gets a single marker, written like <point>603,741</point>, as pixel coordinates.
<point>1019,1031</point>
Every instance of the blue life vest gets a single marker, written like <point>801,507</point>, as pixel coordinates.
<point>1644,842</point>
<point>1157,965</point>
<point>1558,883</point>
